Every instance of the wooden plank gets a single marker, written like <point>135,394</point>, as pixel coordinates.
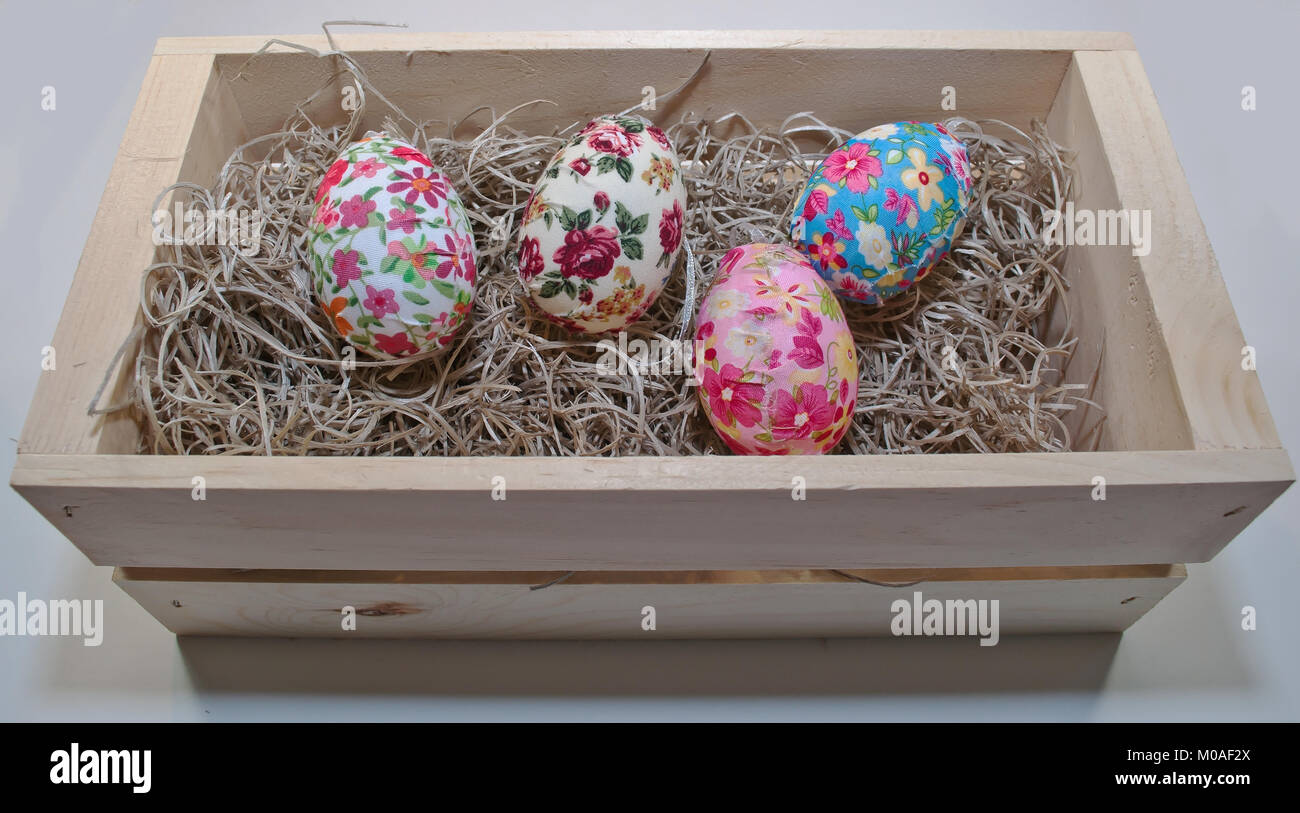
<point>899,576</point>
<point>1122,356</point>
<point>361,39</point>
<point>594,605</point>
<point>1223,404</point>
<point>182,127</point>
<point>653,513</point>
<point>1004,76</point>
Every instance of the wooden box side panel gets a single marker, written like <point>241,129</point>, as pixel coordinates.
<point>1169,341</point>
<point>766,84</point>
<point>361,39</point>
<point>738,605</point>
<point>653,513</point>
<point>1121,354</point>
<point>183,127</point>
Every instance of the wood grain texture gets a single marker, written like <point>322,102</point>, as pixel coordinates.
<point>797,72</point>
<point>653,513</point>
<point>104,296</point>
<point>609,606</point>
<point>1122,357</point>
<point>359,39</point>
<point>183,126</point>
<point>1223,404</point>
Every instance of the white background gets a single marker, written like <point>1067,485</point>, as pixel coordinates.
<point>1188,659</point>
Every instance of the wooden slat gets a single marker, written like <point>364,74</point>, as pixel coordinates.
<point>820,604</point>
<point>359,39</point>
<point>653,513</point>
<point>998,75</point>
<point>183,125</point>
<point>1223,404</point>
<point>899,576</point>
<point>1122,357</point>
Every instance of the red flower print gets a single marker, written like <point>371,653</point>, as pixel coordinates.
<point>807,351</point>
<point>367,168</point>
<point>955,163</point>
<point>580,165</point>
<point>332,176</point>
<point>730,259</point>
<point>403,220</point>
<point>417,185</point>
<point>530,258</point>
<point>818,203</point>
<point>585,296</point>
<point>345,267</point>
<point>355,211</point>
<point>837,225</point>
<point>798,416</point>
<point>609,137</point>
<point>670,228</point>
<point>326,214</point>
<point>731,400</point>
<point>852,165</point>
<point>588,253</point>
<point>601,201</point>
<point>659,137</point>
<point>826,251</point>
<point>412,154</point>
<point>903,204</point>
<point>380,303</point>
<point>856,289</point>
<point>705,331</point>
<point>459,255</point>
<point>941,129</point>
<point>398,344</point>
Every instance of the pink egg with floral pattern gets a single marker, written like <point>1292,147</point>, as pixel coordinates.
<point>774,358</point>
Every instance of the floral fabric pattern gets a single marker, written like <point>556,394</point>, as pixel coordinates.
<point>602,231</point>
<point>392,251</point>
<point>882,210</point>
<point>774,358</point>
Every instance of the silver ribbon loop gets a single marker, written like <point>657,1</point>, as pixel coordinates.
<point>688,299</point>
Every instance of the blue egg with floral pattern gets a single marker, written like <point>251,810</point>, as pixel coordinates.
<point>882,210</point>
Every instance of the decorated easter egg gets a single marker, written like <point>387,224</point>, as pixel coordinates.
<point>775,364</point>
<point>392,251</point>
<point>603,228</point>
<point>881,211</point>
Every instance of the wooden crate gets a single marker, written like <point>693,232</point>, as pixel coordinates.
<point>1188,450</point>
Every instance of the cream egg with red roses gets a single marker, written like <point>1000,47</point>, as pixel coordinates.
<point>604,226</point>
